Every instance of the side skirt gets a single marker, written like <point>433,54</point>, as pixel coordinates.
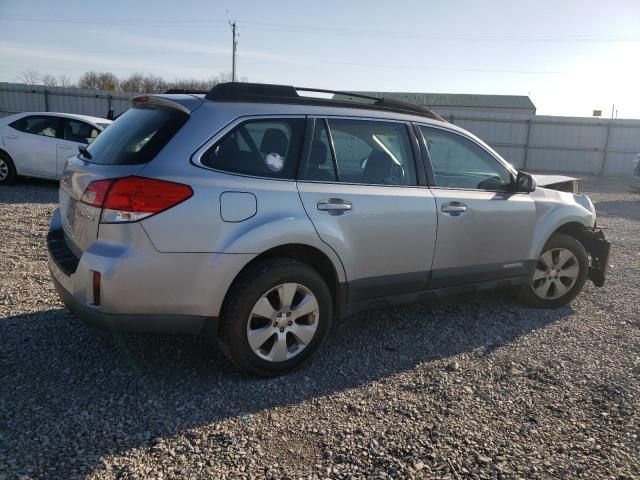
<point>425,296</point>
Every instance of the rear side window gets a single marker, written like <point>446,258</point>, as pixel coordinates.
<point>137,136</point>
<point>372,152</point>
<point>262,147</point>
<point>80,132</point>
<point>38,125</point>
<point>320,166</point>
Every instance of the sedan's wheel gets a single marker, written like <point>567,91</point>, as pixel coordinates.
<point>7,170</point>
<point>276,315</point>
<point>559,275</point>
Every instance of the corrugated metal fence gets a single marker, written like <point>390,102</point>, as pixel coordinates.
<point>540,143</point>
<point>17,97</point>
<point>560,144</point>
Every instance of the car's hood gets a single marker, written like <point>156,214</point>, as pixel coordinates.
<point>558,182</point>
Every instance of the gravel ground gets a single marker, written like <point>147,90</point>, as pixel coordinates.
<point>475,387</point>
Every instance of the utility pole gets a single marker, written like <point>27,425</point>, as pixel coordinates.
<point>235,44</point>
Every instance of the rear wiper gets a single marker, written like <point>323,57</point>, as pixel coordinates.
<point>84,152</point>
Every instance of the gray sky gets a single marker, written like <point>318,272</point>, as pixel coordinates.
<point>570,56</point>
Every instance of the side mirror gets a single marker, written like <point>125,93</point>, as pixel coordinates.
<point>524,183</point>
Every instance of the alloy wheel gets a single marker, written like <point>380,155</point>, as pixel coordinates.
<point>283,322</point>
<point>556,273</point>
<point>4,169</point>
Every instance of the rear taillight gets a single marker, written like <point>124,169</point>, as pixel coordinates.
<point>130,199</point>
<point>96,192</point>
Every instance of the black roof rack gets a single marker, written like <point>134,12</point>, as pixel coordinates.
<point>268,93</point>
<point>186,91</point>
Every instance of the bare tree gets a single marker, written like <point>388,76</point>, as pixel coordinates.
<point>64,81</point>
<point>133,83</point>
<point>153,84</point>
<point>224,77</point>
<point>30,77</point>
<point>49,80</point>
<point>89,80</point>
<point>136,82</point>
<point>99,81</point>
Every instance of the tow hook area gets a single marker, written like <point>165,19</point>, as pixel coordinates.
<point>598,247</point>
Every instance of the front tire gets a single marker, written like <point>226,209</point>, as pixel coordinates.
<point>8,173</point>
<point>276,316</point>
<point>560,274</point>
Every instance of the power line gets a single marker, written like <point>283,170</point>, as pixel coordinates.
<point>306,29</point>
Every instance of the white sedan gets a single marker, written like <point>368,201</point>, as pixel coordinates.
<point>37,144</point>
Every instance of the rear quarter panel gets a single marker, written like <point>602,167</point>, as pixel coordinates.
<point>196,225</point>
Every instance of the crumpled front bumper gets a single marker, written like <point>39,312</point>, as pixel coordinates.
<point>598,247</point>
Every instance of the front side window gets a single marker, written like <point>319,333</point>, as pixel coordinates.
<point>262,147</point>
<point>80,132</point>
<point>372,152</point>
<point>460,163</point>
<point>38,125</point>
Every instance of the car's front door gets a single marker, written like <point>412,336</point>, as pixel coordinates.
<point>74,134</point>
<point>358,186</point>
<point>31,141</point>
<point>484,229</point>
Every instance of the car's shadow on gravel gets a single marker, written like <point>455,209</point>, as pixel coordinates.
<point>83,394</point>
<point>628,209</point>
<point>30,190</point>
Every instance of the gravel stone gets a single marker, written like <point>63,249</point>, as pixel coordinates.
<point>477,387</point>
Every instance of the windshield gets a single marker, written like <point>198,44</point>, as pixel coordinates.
<point>137,136</point>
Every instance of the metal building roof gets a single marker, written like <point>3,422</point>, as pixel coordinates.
<point>453,99</point>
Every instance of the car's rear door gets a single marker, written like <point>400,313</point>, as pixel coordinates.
<point>359,187</point>
<point>31,141</point>
<point>484,230</point>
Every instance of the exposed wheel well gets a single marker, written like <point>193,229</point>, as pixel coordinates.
<point>306,254</point>
<point>4,152</point>
<point>575,230</point>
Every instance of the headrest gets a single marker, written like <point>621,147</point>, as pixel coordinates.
<point>274,141</point>
<point>318,155</point>
<point>378,166</point>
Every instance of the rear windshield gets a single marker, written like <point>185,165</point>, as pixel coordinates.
<point>136,136</point>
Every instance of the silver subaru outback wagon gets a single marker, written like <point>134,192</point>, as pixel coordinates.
<point>256,215</point>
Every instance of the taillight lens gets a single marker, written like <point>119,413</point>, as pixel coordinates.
<point>96,192</point>
<point>130,199</point>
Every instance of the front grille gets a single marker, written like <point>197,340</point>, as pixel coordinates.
<point>62,256</point>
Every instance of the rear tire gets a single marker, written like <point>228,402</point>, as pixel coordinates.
<point>264,329</point>
<point>560,274</point>
<point>8,173</point>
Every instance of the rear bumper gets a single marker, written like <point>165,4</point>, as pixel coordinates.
<point>138,323</point>
<point>141,289</point>
<point>598,247</point>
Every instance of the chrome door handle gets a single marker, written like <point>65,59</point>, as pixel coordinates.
<point>454,208</point>
<point>65,147</point>
<point>334,206</point>
<point>11,136</point>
